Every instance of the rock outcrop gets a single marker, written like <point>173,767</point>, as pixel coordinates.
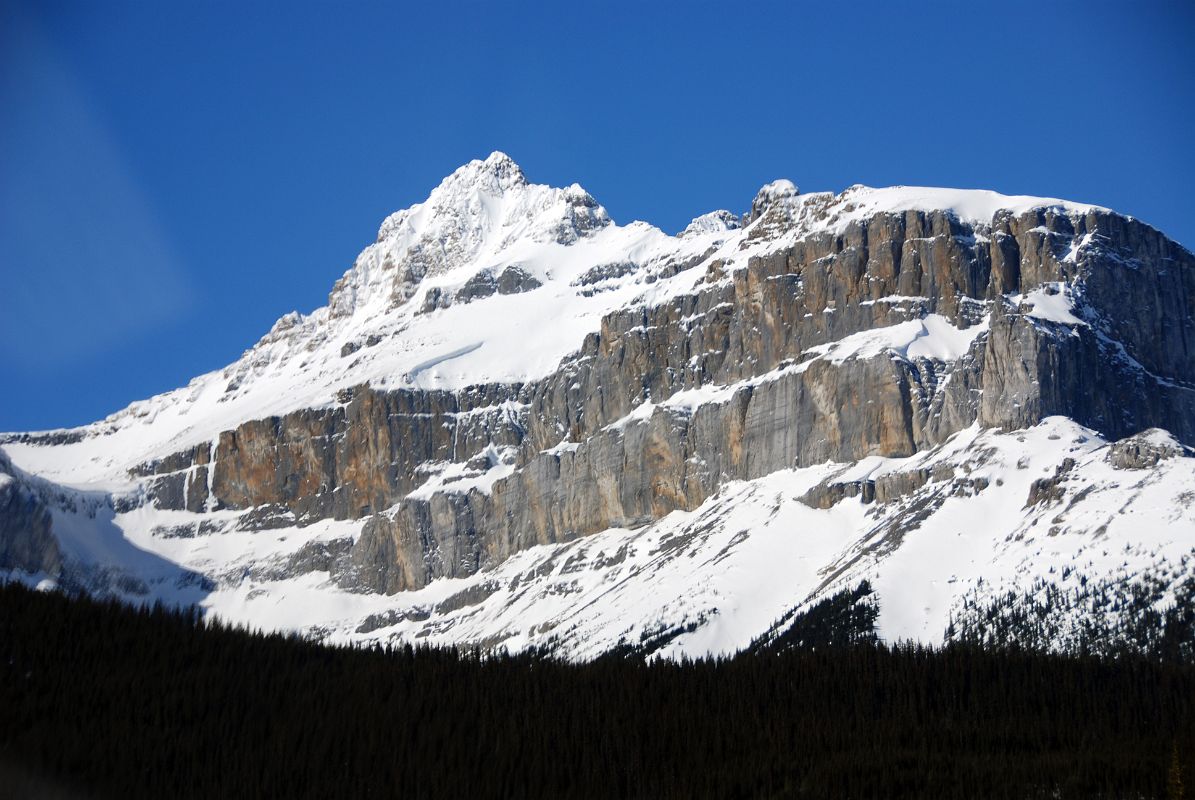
<point>1144,451</point>
<point>345,462</point>
<point>27,543</point>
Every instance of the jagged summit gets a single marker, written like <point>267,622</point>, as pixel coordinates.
<point>475,213</point>
<point>492,177</point>
<point>496,174</point>
<point>487,207</point>
<point>486,233</point>
<point>771,194</point>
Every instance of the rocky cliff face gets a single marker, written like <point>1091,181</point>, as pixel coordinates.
<point>26,541</point>
<point>343,462</point>
<point>1038,298</point>
<point>655,371</point>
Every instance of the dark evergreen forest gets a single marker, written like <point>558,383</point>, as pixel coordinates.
<point>103,700</point>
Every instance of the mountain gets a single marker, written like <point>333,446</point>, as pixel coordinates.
<point>518,424</point>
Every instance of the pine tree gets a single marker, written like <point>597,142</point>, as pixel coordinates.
<point>1174,781</point>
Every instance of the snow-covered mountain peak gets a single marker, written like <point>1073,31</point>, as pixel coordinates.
<point>492,177</point>
<point>461,289</point>
<point>475,214</point>
<point>519,424</point>
<point>772,194</point>
<point>495,174</point>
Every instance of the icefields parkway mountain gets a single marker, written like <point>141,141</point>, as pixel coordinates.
<point>518,424</point>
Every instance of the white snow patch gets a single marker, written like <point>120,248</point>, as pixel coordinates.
<point>976,206</point>
<point>932,336</point>
<point>460,478</point>
<point>1052,302</point>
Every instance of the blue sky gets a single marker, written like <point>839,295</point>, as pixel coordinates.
<point>176,176</point>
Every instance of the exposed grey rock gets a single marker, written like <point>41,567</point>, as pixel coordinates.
<point>1128,364</point>
<point>29,544</point>
<point>769,196</point>
<point>887,488</point>
<point>1050,490</point>
<point>828,494</point>
<point>266,517</point>
<point>480,286</point>
<point>1143,451</point>
<point>435,297</point>
<point>471,596</point>
<point>318,556</point>
<point>392,617</point>
<point>26,541</point>
<point>605,272</point>
<point>46,438</point>
<point>189,530</point>
<point>515,280</point>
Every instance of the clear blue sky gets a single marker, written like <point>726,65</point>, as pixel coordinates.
<point>174,176</point>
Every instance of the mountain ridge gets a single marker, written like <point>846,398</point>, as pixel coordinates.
<point>506,369</point>
<point>971,204</point>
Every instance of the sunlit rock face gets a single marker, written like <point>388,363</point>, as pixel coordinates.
<point>506,369</point>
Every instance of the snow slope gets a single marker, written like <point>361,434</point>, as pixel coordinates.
<point>712,580</point>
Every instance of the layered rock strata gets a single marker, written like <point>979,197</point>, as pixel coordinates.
<point>1084,315</point>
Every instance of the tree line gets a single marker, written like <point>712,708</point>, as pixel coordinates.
<point>99,699</point>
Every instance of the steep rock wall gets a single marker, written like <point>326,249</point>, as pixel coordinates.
<point>1126,362</point>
